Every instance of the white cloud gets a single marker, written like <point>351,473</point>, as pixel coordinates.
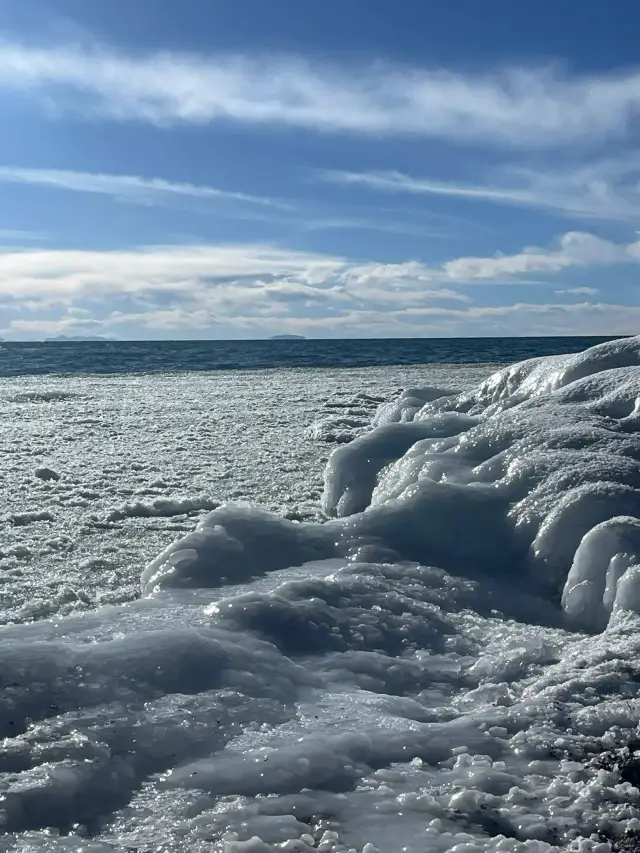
<point>576,249</point>
<point>255,287</point>
<point>578,291</point>
<point>229,273</point>
<point>398,182</point>
<point>48,327</point>
<point>360,223</point>
<point>526,107</point>
<point>125,187</point>
<point>601,189</point>
<point>71,273</point>
<point>502,320</point>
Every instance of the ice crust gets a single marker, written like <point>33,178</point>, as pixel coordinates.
<point>436,667</point>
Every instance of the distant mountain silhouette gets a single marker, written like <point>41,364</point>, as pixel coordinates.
<point>288,338</point>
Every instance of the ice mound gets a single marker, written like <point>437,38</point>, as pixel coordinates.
<point>539,376</point>
<point>448,663</point>
<point>513,480</point>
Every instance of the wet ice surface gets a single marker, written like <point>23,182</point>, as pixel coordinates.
<point>437,666</point>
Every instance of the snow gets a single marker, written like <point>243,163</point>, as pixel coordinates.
<point>443,656</point>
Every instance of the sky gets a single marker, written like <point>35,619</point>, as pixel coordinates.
<point>347,168</point>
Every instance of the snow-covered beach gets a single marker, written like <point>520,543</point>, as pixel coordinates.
<point>428,647</point>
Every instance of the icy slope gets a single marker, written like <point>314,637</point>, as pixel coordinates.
<point>410,675</point>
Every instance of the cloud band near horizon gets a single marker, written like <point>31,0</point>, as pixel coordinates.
<point>198,287</point>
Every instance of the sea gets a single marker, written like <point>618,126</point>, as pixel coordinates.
<point>360,596</point>
<point>22,359</point>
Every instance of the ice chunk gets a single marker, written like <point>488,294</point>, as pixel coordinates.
<point>352,471</point>
<point>410,401</point>
<point>337,429</point>
<point>597,580</point>
<point>235,543</point>
<point>23,518</point>
<point>162,507</point>
<point>627,582</point>
<point>46,474</point>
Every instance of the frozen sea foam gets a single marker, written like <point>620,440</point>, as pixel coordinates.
<point>444,664</point>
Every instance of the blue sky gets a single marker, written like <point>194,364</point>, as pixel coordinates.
<point>208,168</point>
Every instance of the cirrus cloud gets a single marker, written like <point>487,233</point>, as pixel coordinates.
<point>126,187</point>
<point>527,107</point>
<point>605,189</point>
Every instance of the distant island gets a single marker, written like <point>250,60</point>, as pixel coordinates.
<point>288,338</point>
<point>61,339</point>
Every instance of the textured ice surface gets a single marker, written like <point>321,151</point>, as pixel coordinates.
<point>141,458</point>
<point>436,666</point>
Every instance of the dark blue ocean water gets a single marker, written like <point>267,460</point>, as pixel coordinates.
<point>23,359</point>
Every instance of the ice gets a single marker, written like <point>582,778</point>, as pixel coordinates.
<point>142,458</point>
<point>233,544</point>
<point>352,472</point>
<point>162,507</point>
<point>410,401</point>
<point>605,555</point>
<point>337,429</point>
<point>46,474</point>
<point>447,660</point>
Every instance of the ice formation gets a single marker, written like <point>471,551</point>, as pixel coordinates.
<point>534,477</point>
<point>437,666</point>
